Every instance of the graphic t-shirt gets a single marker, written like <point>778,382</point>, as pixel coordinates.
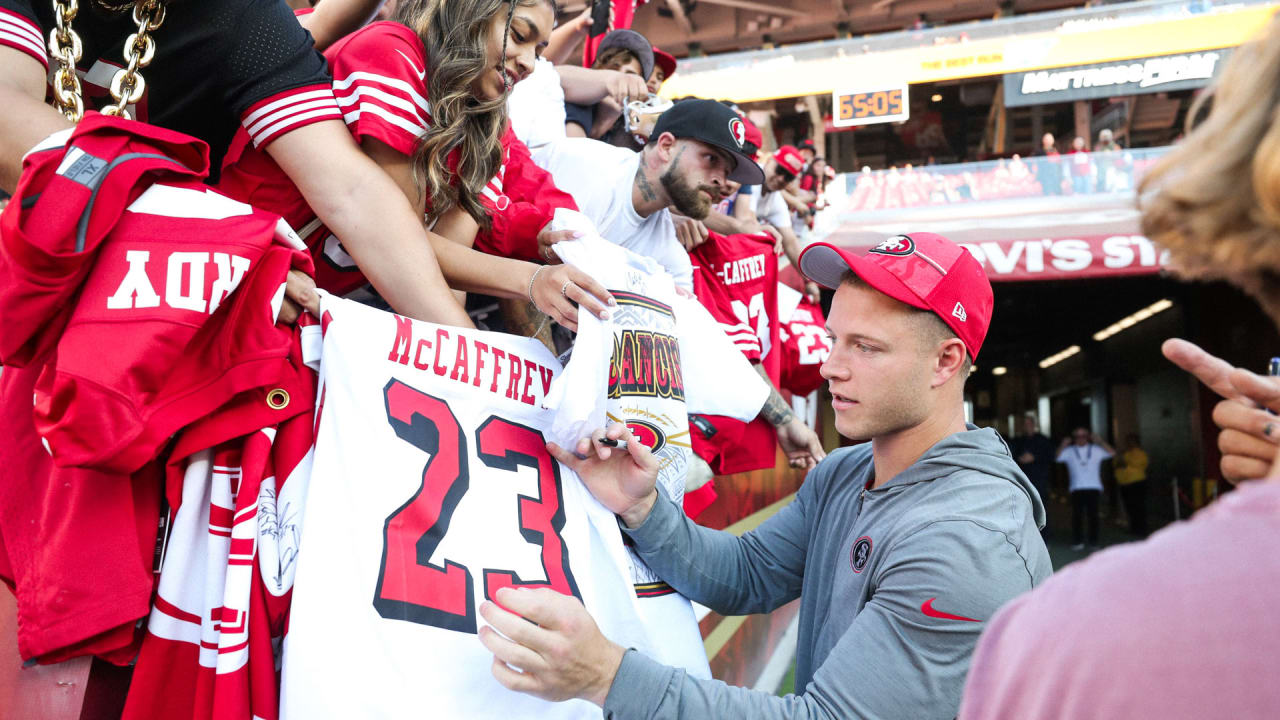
<point>655,359</point>
<point>432,489</point>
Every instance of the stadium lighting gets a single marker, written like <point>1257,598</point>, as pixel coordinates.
<point>1058,357</point>
<point>999,370</point>
<point>1129,321</point>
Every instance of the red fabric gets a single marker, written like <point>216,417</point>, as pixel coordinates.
<point>607,16</point>
<point>804,348</point>
<point>222,606</point>
<point>79,543</point>
<point>41,268</point>
<point>696,501</point>
<point>521,200</point>
<point>113,411</point>
<point>736,279</point>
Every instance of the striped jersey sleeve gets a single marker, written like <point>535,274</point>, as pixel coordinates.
<point>289,110</point>
<point>20,32</point>
<point>271,75</point>
<point>380,81</point>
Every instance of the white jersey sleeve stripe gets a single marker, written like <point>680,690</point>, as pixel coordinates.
<point>290,110</point>
<point>365,95</point>
<point>406,91</point>
<point>257,112</point>
<point>293,122</point>
<point>398,121</point>
<point>17,32</point>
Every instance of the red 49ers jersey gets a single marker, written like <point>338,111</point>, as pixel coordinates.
<point>804,348</point>
<point>380,81</point>
<point>736,279</point>
<point>432,489</point>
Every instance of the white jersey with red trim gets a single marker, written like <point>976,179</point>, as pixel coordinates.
<point>432,489</point>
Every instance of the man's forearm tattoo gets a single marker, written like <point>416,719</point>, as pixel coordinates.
<point>776,410</point>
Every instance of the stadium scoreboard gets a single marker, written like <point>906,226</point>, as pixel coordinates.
<point>869,106</point>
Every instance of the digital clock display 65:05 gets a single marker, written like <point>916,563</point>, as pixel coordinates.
<point>864,107</point>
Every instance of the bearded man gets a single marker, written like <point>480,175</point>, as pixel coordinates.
<point>696,147</point>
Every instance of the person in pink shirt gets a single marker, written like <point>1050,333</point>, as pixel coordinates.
<point>1183,625</point>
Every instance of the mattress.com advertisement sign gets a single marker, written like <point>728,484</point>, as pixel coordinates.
<point>1184,71</point>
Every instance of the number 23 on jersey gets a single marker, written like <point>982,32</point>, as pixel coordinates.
<point>410,586</point>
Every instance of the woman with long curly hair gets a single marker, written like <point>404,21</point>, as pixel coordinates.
<point>425,96</point>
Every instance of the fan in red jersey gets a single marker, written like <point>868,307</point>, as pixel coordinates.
<point>805,347</point>
<point>736,279</point>
<point>425,98</point>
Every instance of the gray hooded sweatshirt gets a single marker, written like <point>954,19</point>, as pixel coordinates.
<point>896,584</point>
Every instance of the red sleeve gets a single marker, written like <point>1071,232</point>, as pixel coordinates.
<point>379,78</point>
<point>20,32</point>
<point>806,182</point>
<point>521,199</point>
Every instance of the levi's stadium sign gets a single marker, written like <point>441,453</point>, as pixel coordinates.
<point>1080,257</point>
<point>1184,71</point>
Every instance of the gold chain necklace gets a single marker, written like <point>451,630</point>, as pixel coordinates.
<point>128,85</point>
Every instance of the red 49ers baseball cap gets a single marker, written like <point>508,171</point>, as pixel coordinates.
<point>923,270</point>
<point>789,159</point>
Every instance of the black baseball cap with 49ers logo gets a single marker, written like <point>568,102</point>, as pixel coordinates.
<point>923,270</point>
<point>714,124</point>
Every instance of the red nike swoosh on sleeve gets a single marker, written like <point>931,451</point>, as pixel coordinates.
<point>927,609</point>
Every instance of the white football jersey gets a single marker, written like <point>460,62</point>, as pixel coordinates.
<point>432,489</point>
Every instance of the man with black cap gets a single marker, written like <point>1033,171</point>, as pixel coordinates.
<point>900,548</point>
<point>695,147</point>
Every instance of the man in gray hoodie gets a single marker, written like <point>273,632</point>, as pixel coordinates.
<point>900,548</point>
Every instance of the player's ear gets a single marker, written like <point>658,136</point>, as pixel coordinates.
<point>949,360</point>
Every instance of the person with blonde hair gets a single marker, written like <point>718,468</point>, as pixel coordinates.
<point>1140,630</point>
